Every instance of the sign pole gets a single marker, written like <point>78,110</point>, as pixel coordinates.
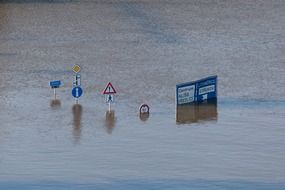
<point>109,106</point>
<point>54,93</point>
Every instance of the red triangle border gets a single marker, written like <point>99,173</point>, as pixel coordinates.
<point>109,85</point>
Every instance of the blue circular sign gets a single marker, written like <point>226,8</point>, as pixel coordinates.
<point>77,92</point>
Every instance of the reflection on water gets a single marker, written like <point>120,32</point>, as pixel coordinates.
<point>77,113</point>
<point>192,113</point>
<point>54,104</point>
<point>144,116</point>
<point>110,121</point>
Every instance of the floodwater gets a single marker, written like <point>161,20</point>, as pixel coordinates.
<point>144,48</point>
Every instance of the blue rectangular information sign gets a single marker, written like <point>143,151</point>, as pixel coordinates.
<point>196,91</point>
<point>206,88</point>
<point>55,84</point>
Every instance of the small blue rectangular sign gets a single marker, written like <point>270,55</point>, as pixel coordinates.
<point>206,88</point>
<point>196,91</point>
<point>55,84</point>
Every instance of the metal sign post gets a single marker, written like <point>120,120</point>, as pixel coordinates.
<point>54,93</point>
<point>109,107</point>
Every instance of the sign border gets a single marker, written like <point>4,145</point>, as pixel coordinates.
<point>109,85</point>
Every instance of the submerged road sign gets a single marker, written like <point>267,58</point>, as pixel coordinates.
<point>206,88</point>
<point>185,93</point>
<point>109,98</point>
<point>144,109</point>
<point>76,68</point>
<point>109,93</point>
<point>55,84</point>
<point>77,92</point>
<point>109,89</point>
<point>196,91</point>
<point>77,80</point>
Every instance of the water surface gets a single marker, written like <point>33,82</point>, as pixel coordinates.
<point>144,48</point>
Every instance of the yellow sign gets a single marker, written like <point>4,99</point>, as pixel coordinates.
<point>76,68</point>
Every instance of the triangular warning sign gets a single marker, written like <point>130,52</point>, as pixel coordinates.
<point>109,89</point>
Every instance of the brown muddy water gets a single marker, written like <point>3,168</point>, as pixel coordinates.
<point>144,48</point>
